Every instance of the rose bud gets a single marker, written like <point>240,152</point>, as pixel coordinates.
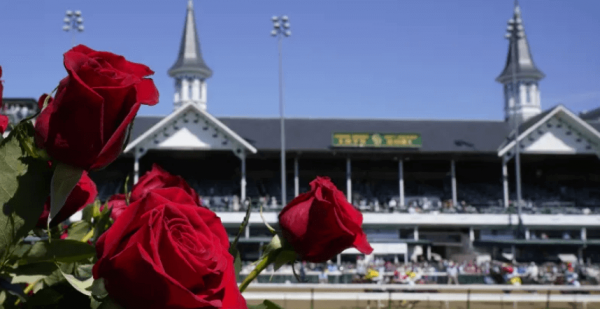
<point>320,224</point>
<point>83,194</point>
<point>88,121</point>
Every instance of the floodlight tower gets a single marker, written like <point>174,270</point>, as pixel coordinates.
<point>281,29</point>
<point>514,32</point>
<point>74,23</point>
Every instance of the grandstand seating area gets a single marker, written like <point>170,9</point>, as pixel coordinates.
<point>382,196</point>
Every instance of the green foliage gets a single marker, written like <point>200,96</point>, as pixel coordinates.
<point>98,290</point>
<point>78,230</point>
<point>107,303</point>
<point>58,250</point>
<point>237,264</point>
<point>233,250</point>
<point>65,178</point>
<point>83,287</point>
<point>102,221</point>
<point>24,187</point>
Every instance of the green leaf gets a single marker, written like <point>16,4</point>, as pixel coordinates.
<point>78,230</point>
<point>43,298</point>
<point>237,264</point>
<point>25,133</point>
<point>267,304</point>
<point>108,303</point>
<point>65,178</point>
<point>83,287</point>
<point>59,250</point>
<point>54,278</point>
<point>284,257</point>
<point>103,223</point>
<point>24,187</point>
<point>98,290</point>
<point>31,272</point>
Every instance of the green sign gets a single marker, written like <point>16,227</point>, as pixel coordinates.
<point>387,140</point>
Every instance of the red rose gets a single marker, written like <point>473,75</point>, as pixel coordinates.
<point>87,123</point>
<point>83,194</point>
<point>166,252</point>
<point>321,223</point>
<point>118,204</point>
<point>156,178</point>
<point>3,119</point>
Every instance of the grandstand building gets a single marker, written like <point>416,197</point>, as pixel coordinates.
<point>429,188</point>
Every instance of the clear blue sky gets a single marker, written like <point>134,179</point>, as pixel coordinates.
<point>420,59</point>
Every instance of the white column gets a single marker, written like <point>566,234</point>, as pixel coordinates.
<point>583,233</point>
<point>296,178</point>
<point>177,96</point>
<point>416,233</point>
<point>522,96</point>
<point>136,166</point>
<point>196,90</point>
<point>203,94</point>
<point>453,173</point>
<point>243,180</point>
<point>247,231</point>
<point>349,180</point>
<point>401,180</point>
<point>471,237</point>
<point>505,182</point>
<point>185,90</point>
<point>429,253</point>
<point>527,234</point>
<point>339,260</point>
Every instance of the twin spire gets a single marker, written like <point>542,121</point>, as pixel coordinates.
<point>525,67</point>
<point>520,76</point>
<point>190,61</point>
<point>190,71</point>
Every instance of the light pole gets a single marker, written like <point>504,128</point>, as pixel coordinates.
<point>74,23</point>
<point>281,28</point>
<point>514,32</point>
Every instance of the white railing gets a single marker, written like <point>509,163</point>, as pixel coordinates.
<point>424,287</point>
<point>445,293</point>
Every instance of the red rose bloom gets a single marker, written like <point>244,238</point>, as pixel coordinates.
<point>87,123</point>
<point>83,194</point>
<point>321,223</point>
<point>165,252</point>
<point>3,119</point>
<point>118,204</point>
<point>156,178</point>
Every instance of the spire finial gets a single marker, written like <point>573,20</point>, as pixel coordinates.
<point>190,61</point>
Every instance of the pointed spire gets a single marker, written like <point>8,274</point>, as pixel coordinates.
<point>190,59</point>
<point>525,67</point>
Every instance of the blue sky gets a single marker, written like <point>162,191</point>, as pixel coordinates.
<point>426,59</point>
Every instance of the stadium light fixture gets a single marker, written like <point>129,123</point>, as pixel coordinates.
<point>73,22</point>
<point>514,31</point>
<point>281,29</point>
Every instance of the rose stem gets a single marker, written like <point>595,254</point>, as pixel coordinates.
<point>270,258</point>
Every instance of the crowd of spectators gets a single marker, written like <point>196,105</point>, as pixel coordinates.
<point>379,271</point>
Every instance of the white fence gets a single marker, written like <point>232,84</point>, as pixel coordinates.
<point>444,293</point>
